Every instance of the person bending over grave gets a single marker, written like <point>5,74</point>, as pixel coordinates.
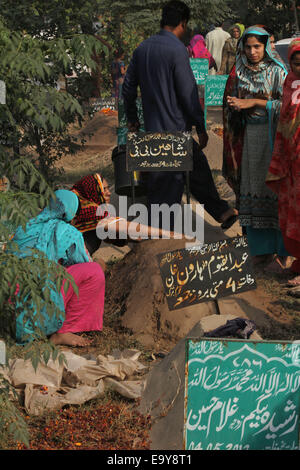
<point>94,196</point>
<point>52,234</point>
<point>160,67</point>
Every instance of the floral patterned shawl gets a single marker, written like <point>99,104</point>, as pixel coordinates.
<point>283,177</point>
<point>90,192</point>
<point>262,81</point>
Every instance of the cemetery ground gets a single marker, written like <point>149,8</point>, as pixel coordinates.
<point>136,315</point>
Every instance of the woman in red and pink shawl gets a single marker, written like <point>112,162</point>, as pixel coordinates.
<point>198,50</point>
<point>284,172</point>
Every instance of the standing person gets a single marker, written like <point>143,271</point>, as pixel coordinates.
<point>215,41</point>
<point>273,47</point>
<point>241,26</point>
<point>284,172</point>
<point>160,67</point>
<point>118,73</point>
<point>198,50</point>
<point>272,39</point>
<point>51,233</point>
<point>254,108</point>
<point>229,51</point>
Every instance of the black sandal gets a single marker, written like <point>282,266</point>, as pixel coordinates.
<point>229,222</point>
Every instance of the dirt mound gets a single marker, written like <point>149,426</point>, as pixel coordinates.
<point>134,290</point>
<point>101,137</point>
<point>103,128</point>
<point>135,294</point>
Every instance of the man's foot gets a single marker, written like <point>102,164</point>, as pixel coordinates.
<point>229,218</point>
<point>69,339</point>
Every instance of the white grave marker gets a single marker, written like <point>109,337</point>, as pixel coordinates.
<point>2,352</point>
<point>2,92</point>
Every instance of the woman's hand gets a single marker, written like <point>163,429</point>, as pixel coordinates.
<point>238,104</point>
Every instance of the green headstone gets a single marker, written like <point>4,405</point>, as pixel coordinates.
<point>121,113</point>
<point>200,70</point>
<point>214,89</point>
<point>242,395</point>
<point>122,135</point>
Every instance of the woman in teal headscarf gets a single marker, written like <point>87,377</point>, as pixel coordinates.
<point>253,109</point>
<point>51,233</point>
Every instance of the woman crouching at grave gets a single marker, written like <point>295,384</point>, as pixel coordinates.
<point>284,172</point>
<point>253,110</point>
<point>94,197</point>
<point>51,233</point>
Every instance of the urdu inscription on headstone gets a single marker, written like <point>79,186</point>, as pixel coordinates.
<point>241,395</point>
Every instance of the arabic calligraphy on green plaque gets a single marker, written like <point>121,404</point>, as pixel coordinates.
<point>214,89</point>
<point>200,70</point>
<point>242,395</point>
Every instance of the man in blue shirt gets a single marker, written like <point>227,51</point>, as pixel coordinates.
<point>160,67</point>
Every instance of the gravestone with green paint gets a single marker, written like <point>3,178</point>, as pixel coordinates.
<point>214,89</point>
<point>242,395</point>
<point>122,116</point>
<point>122,135</point>
<point>200,70</point>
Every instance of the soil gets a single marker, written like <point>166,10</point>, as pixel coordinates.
<point>100,136</point>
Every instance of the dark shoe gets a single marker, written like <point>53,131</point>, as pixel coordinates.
<point>229,222</point>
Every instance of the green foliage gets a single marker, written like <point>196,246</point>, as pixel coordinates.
<point>276,15</point>
<point>36,118</point>
<point>34,125</point>
<point>12,423</point>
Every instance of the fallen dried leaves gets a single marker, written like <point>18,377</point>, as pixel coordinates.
<point>110,426</point>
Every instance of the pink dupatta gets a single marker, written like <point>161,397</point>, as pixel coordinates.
<point>198,50</point>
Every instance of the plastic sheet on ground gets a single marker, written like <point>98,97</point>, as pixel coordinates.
<point>53,385</point>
